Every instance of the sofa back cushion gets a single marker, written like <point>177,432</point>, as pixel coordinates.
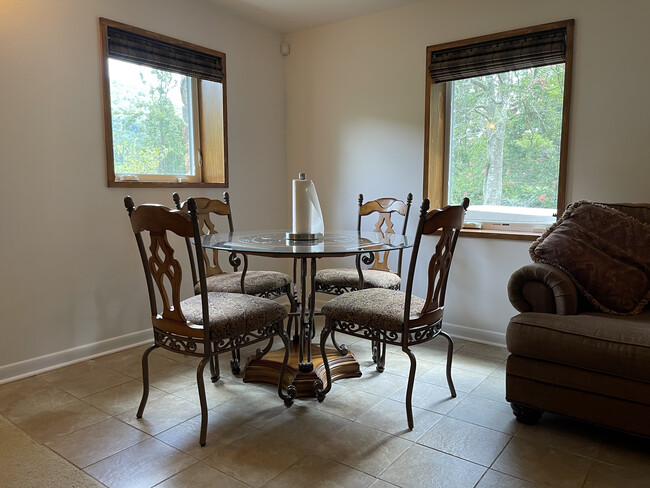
<point>605,252</point>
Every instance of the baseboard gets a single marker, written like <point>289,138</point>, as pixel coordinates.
<point>476,335</point>
<point>42,364</point>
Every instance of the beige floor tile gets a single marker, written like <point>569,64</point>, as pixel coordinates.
<point>175,378</point>
<point>493,352</point>
<point>129,361</point>
<point>303,422</point>
<point>161,414</point>
<point>398,363</point>
<point>96,442</point>
<point>221,432</point>
<point>364,448</point>
<point>625,451</point>
<point>500,372</point>
<point>421,467</point>
<point>463,380</point>
<point>26,463</point>
<point>85,378</point>
<point>382,484</point>
<point>603,475</point>
<point>467,441</point>
<point>487,413</point>
<point>538,463</point>
<point>347,402</point>
<point>50,424</point>
<point>140,466</point>
<point>31,397</point>
<point>254,459</point>
<point>222,391</point>
<point>475,363</point>
<point>317,472</point>
<point>493,388</point>
<point>377,383</point>
<point>494,479</point>
<point>121,398</point>
<point>203,476</point>
<point>431,397</point>
<point>390,416</point>
<point>256,407</point>
<point>563,433</point>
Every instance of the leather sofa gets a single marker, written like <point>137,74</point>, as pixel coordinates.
<point>580,345</point>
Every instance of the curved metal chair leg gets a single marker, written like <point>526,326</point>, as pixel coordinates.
<point>235,361</point>
<point>409,388</point>
<point>292,392</point>
<point>318,384</point>
<point>215,373</point>
<point>145,379</point>
<point>381,356</point>
<point>450,353</point>
<point>341,349</point>
<point>202,399</point>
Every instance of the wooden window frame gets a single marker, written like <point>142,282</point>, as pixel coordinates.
<point>436,158</point>
<point>212,124</point>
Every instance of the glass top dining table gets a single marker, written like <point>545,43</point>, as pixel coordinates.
<point>274,243</point>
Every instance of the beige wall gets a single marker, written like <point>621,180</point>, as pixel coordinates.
<point>356,120</point>
<point>72,283</point>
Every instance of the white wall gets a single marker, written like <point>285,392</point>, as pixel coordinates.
<point>356,120</point>
<point>72,282</point>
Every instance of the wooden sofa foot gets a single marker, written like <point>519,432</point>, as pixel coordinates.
<point>526,415</point>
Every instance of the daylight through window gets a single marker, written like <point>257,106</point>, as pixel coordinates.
<point>164,110</point>
<point>497,127</point>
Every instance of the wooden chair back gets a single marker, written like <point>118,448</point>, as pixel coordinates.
<point>447,223</point>
<point>385,208</point>
<point>161,267</point>
<point>208,210</point>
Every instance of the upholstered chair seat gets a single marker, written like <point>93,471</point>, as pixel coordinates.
<point>349,279</point>
<point>261,283</point>
<point>375,307</point>
<point>233,314</point>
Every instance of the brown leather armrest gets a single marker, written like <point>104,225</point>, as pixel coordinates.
<point>542,288</point>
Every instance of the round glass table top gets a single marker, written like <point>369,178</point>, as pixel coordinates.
<point>332,243</point>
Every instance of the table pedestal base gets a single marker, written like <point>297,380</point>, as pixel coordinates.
<point>267,369</point>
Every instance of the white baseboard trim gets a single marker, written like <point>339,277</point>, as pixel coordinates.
<point>42,364</point>
<point>475,335</point>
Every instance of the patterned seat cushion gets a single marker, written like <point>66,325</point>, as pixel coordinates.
<point>373,307</point>
<point>349,277</point>
<point>233,314</point>
<point>257,282</point>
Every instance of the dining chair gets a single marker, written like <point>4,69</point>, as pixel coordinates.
<point>399,317</point>
<point>336,281</point>
<point>266,284</point>
<point>205,324</point>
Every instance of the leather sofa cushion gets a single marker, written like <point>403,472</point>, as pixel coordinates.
<point>604,251</point>
<point>593,341</point>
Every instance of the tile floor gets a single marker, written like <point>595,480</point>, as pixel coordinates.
<point>356,438</point>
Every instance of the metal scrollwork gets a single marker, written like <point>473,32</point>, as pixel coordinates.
<point>234,261</point>
<point>368,258</point>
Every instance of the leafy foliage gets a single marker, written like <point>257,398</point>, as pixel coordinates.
<point>506,134</point>
<point>149,136</point>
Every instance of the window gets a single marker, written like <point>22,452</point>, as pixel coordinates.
<point>497,126</point>
<point>164,110</point>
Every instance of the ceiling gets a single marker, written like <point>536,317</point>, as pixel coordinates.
<point>289,16</point>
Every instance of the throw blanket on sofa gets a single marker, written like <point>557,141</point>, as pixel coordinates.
<point>605,252</point>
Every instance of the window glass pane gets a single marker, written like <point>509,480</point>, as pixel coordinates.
<point>505,138</point>
<point>151,114</point>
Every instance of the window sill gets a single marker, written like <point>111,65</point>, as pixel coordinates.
<point>160,184</point>
<point>500,234</point>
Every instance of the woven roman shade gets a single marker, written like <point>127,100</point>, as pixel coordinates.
<point>158,54</point>
<point>498,56</point>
